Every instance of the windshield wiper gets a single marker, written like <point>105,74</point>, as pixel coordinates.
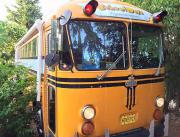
<point>111,67</point>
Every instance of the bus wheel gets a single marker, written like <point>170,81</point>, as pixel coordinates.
<point>39,122</point>
<point>159,130</point>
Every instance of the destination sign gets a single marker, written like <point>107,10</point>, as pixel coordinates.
<point>121,11</point>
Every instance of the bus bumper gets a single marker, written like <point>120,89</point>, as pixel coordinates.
<point>140,132</point>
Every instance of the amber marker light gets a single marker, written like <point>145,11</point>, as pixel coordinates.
<point>157,115</point>
<point>87,128</point>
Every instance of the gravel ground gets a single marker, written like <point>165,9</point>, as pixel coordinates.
<point>174,126</point>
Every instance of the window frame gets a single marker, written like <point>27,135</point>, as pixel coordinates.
<point>125,43</point>
<point>27,49</point>
<point>131,52</point>
<point>48,41</point>
<point>65,29</point>
<point>48,44</point>
<point>54,91</point>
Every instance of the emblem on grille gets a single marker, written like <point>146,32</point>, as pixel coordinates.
<point>131,93</point>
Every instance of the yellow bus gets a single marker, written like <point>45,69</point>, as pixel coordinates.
<point>100,70</point>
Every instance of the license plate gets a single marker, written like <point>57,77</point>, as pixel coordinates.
<point>128,119</point>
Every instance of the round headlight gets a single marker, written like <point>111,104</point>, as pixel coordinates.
<point>88,112</point>
<point>159,102</point>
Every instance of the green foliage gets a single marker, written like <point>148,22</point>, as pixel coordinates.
<point>16,91</point>
<point>16,86</point>
<point>2,33</point>
<point>12,32</point>
<point>25,12</point>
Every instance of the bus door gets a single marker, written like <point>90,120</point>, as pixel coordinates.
<point>56,47</point>
<point>51,88</point>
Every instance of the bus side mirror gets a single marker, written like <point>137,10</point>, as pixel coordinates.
<point>52,59</point>
<point>64,19</point>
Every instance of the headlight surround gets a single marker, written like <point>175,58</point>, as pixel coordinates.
<point>159,102</point>
<point>88,112</point>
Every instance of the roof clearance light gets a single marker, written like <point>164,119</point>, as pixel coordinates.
<point>159,16</point>
<point>90,7</point>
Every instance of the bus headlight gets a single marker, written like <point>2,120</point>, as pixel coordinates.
<point>159,102</point>
<point>88,112</point>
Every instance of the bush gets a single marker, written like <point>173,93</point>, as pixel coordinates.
<point>17,90</point>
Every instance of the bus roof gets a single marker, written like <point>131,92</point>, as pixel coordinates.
<point>106,9</point>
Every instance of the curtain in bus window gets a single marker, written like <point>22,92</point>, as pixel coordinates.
<point>96,45</point>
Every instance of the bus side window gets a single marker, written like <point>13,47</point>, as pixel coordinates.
<point>51,108</point>
<point>66,61</point>
<point>50,48</point>
<point>49,43</point>
<point>34,46</point>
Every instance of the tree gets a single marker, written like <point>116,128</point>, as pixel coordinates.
<point>12,32</point>
<point>25,12</point>
<point>2,33</point>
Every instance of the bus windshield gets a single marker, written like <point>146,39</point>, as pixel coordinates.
<point>146,46</point>
<point>96,44</point>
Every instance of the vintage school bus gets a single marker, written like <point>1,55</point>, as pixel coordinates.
<point>100,70</point>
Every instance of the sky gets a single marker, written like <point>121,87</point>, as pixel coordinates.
<point>47,6</point>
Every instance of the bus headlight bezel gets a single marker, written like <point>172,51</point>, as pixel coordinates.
<point>159,102</point>
<point>88,112</point>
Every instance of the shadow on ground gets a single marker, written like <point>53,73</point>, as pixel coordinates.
<point>174,126</point>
